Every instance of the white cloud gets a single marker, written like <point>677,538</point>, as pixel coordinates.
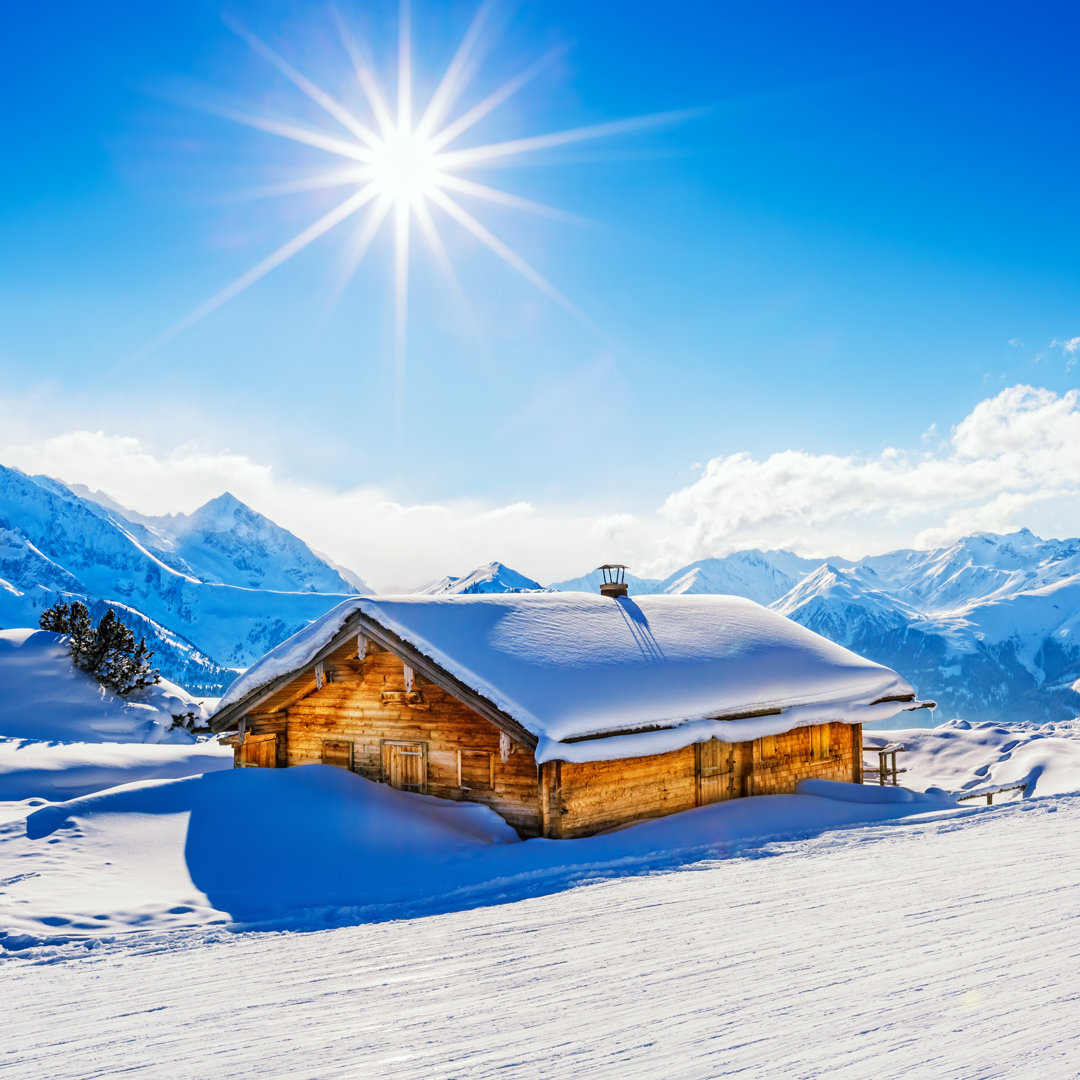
<point>1014,460</point>
<point>1013,455</point>
<point>1070,345</point>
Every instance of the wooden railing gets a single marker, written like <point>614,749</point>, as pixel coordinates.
<point>886,772</point>
<point>988,793</point>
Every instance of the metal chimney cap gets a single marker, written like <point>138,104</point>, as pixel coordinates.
<point>614,583</point>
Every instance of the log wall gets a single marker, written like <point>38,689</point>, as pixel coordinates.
<point>824,751</point>
<point>581,799</point>
<point>366,703</point>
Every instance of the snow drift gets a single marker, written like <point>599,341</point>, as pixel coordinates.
<point>43,696</point>
<point>314,846</point>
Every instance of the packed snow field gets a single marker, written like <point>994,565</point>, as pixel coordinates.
<point>940,946</point>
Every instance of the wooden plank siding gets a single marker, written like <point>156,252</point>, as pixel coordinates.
<point>587,798</point>
<point>367,705</point>
<point>423,738</point>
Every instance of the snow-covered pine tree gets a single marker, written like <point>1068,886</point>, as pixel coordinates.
<point>73,621</point>
<point>107,651</point>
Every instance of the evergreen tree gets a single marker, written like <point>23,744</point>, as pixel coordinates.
<point>57,618</point>
<point>80,633</point>
<point>107,651</point>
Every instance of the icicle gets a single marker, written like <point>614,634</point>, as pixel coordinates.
<point>320,675</point>
<point>408,679</point>
<point>361,646</point>
<point>504,747</point>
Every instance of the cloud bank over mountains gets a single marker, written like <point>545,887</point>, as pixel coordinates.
<point>1013,461</point>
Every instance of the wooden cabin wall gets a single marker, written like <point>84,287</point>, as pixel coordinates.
<point>363,704</point>
<point>585,798</point>
<point>581,799</point>
<point>824,751</point>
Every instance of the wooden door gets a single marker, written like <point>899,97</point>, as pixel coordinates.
<point>405,765</point>
<point>716,771</point>
<point>258,751</point>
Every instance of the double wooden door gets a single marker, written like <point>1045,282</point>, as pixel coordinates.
<point>258,751</point>
<point>717,771</point>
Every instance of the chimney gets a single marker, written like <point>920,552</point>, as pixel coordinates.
<point>614,584</point>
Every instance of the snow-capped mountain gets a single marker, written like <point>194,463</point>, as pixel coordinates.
<point>225,542</point>
<point>763,576</point>
<point>215,588</point>
<point>988,626</point>
<point>491,578</point>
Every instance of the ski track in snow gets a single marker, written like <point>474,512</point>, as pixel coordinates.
<point>945,947</point>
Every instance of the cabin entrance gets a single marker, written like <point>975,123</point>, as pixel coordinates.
<point>404,764</point>
<point>716,768</point>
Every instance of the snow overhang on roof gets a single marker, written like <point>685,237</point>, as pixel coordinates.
<point>591,678</point>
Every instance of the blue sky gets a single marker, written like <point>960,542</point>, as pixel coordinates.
<point>869,229</point>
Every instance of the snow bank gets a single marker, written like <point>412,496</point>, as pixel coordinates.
<point>313,846</point>
<point>966,757</point>
<point>571,665</point>
<point>43,696</point>
<point>59,771</point>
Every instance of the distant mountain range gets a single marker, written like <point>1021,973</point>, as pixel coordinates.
<point>211,591</point>
<point>988,626</point>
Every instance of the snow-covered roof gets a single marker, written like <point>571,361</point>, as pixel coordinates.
<point>572,668</point>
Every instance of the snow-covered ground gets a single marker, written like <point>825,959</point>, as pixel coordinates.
<point>932,947</point>
<point>968,758</point>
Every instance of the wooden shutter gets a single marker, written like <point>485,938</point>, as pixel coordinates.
<point>337,752</point>
<point>716,771</point>
<point>820,742</point>
<point>476,770</point>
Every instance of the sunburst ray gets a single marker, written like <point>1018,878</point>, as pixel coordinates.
<point>406,167</point>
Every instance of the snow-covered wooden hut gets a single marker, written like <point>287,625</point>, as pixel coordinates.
<point>567,713</point>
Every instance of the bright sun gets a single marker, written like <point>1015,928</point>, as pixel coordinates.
<point>403,169</point>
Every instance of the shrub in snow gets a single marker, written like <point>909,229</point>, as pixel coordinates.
<point>107,651</point>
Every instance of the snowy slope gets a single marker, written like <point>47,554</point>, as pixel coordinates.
<point>67,770</point>
<point>43,696</point>
<point>966,758</point>
<point>334,846</point>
